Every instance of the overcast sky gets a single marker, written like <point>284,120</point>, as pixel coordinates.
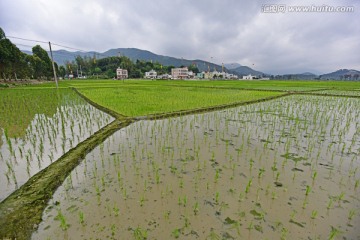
<point>222,31</point>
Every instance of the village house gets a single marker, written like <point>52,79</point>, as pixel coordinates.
<point>151,75</point>
<point>121,73</point>
<point>164,76</point>
<point>180,73</point>
<point>249,77</point>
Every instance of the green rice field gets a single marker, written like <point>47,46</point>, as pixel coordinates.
<point>145,159</point>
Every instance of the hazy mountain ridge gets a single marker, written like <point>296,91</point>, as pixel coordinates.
<point>342,74</point>
<point>62,56</point>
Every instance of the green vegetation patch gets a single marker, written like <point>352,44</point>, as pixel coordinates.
<point>145,100</point>
<point>19,106</point>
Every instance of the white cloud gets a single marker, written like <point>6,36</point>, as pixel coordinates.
<point>227,30</point>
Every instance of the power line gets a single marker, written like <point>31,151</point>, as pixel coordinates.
<point>25,39</point>
<point>56,44</point>
<point>68,47</point>
<point>33,40</point>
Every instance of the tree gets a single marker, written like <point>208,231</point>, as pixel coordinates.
<point>193,68</point>
<point>356,76</point>
<point>12,61</point>
<point>38,67</point>
<point>97,70</point>
<point>46,67</point>
<point>2,34</point>
<point>5,56</point>
<point>62,71</point>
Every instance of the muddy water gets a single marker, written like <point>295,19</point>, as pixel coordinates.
<point>287,168</point>
<point>46,138</point>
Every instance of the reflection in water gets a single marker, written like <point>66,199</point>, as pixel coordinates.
<point>49,126</point>
<point>280,169</point>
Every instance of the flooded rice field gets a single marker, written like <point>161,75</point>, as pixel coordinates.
<point>35,134</point>
<point>286,168</point>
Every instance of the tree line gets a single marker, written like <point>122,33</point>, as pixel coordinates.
<point>106,67</point>
<point>14,64</point>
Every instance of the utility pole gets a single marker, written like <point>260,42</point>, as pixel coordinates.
<point>53,65</point>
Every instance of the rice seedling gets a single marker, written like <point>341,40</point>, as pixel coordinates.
<point>81,218</point>
<point>308,190</point>
<point>176,233</point>
<point>247,189</point>
<point>217,196</point>
<point>116,210</point>
<point>330,204</point>
<point>340,197</point>
<point>351,215</point>
<point>334,232</point>
<point>314,175</point>
<point>196,208</point>
<point>140,234</point>
<point>314,214</point>
<point>63,223</point>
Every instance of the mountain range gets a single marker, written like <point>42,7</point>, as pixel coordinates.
<point>63,56</point>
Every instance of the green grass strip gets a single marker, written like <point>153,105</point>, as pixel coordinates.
<point>135,101</point>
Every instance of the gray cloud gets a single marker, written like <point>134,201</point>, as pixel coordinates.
<point>221,31</point>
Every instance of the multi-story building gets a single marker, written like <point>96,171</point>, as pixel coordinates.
<point>121,73</point>
<point>180,73</point>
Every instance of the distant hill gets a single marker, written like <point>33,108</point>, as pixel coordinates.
<point>232,66</point>
<point>342,74</point>
<point>138,54</point>
<point>61,56</point>
<point>300,76</point>
<point>244,70</point>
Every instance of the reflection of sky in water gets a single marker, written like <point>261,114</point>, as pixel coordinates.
<point>46,139</point>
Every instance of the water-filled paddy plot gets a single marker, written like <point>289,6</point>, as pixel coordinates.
<point>39,126</point>
<point>284,168</point>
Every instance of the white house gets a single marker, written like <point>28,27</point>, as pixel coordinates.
<point>164,76</point>
<point>151,75</point>
<point>191,74</point>
<point>121,73</point>
<point>231,76</point>
<point>249,77</point>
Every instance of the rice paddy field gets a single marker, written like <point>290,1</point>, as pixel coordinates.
<point>182,160</point>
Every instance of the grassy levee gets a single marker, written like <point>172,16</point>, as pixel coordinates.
<point>21,212</point>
